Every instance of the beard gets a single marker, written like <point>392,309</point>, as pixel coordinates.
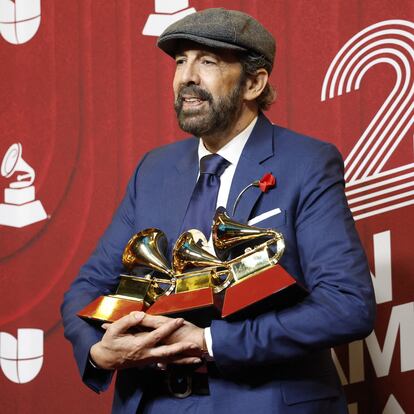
<point>219,115</point>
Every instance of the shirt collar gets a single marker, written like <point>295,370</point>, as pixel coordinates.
<point>233,149</point>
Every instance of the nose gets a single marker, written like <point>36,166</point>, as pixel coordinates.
<point>189,74</point>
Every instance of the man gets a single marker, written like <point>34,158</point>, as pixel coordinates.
<point>279,361</point>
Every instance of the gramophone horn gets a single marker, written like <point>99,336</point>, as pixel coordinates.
<point>145,249</point>
<point>189,252</point>
<point>13,162</point>
<point>228,233</point>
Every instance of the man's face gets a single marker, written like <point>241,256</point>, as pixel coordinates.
<point>208,89</point>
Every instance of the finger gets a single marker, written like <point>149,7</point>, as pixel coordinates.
<point>186,361</point>
<point>154,321</point>
<point>168,352</point>
<point>105,326</point>
<point>125,323</point>
<point>165,330</point>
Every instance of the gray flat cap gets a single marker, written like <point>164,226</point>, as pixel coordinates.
<point>220,28</point>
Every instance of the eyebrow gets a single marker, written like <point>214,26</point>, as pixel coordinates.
<point>200,52</point>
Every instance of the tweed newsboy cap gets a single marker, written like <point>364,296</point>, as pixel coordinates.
<point>220,28</point>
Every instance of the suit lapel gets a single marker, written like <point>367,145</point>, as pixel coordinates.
<point>258,148</point>
<point>178,188</point>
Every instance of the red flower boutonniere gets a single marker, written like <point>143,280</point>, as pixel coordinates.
<point>267,182</point>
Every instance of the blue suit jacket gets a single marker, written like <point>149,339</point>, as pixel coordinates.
<point>278,362</point>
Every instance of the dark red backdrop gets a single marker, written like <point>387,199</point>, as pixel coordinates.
<point>88,95</point>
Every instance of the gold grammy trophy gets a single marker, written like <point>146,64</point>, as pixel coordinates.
<point>136,293</point>
<point>199,279</point>
<point>259,282</point>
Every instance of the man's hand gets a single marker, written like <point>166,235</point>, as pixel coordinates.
<point>187,332</point>
<point>190,333</point>
<point>122,349</point>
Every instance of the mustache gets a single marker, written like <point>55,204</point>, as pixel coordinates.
<point>195,91</point>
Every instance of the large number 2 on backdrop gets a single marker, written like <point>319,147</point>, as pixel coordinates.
<point>371,190</point>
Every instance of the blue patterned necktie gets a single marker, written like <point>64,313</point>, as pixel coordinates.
<point>202,206</point>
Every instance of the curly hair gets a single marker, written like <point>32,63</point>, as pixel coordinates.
<point>251,62</point>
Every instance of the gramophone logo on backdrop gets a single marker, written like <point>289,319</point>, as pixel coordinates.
<point>20,207</point>
<point>166,12</point>
<point>21,359</point>
<point>19,20</point>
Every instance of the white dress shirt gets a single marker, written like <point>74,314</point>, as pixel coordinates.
<point>231,152</point>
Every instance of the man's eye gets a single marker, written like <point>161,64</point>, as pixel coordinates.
<point>179,61</point>
<point>208,62</point>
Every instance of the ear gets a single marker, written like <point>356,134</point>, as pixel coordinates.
<point>255,84</point>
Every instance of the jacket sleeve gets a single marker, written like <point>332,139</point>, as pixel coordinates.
<point>99,276</point>
<point>341,305</point>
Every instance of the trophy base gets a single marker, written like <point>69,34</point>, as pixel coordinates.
<point>272,289</point>
<point>110,308</point>
<point>22,215</point>
<point>197,306</point>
